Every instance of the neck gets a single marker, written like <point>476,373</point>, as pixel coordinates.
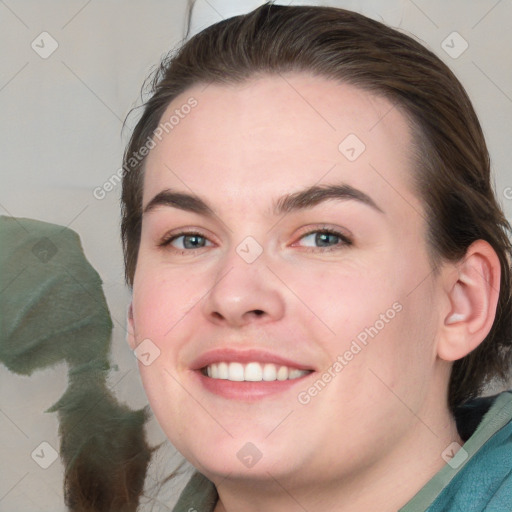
<point>389,482</point>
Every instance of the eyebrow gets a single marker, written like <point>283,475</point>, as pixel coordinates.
<point>316,194</point>
<point>183,201</point>
<point>301,200</point>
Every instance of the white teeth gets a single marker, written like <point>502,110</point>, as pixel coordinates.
<point>235,372</point>
<point>282,373</point>
<point>223,371</point>
<point>269,372</point>
<point>252,372</point>
<point>294,373</point>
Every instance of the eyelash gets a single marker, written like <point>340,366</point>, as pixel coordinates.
<point>167,240</point>
<point>345,241</point>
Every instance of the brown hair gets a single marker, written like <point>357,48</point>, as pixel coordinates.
<point>453,167</point>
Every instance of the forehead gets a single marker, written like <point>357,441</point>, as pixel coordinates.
<point>244,143</point>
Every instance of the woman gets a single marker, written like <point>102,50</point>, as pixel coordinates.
<point>320,270</point>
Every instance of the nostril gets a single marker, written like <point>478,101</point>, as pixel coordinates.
<point>258,312</point>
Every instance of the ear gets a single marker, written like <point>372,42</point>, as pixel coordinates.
<point>130,334</point>
<point>473,291</point>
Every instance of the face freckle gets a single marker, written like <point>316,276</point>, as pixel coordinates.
<point>291,229</point>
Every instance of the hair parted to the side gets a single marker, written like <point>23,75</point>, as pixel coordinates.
<point>452,172</point>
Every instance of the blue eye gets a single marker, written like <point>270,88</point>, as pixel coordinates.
<point>323,238</point>
<point>326,239</point>
<point>183,241</point>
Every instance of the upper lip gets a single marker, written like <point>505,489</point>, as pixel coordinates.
<point>244,356</point>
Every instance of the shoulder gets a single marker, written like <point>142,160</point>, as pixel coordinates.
<point>481,472</point>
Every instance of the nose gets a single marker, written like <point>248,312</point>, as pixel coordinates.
<point>244,293</point>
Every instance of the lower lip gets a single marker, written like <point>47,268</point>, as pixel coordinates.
<point>247,391</point>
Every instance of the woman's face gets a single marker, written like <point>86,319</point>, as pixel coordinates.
<point>281,229</point>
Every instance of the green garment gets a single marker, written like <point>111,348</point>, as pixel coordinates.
<point>482,481</point>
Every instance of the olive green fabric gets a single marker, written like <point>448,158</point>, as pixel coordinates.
<point>200,495</point>
<point>52,307</point>
<point>53,310</point>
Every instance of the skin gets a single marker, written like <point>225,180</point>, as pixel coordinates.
<point>376,432</point>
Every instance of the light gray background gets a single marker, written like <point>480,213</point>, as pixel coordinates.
<point>61,138</point>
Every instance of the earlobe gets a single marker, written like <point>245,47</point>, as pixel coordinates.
<point>473,296</point>
<point>130,333</point>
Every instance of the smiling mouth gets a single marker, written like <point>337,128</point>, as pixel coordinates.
<point>252,372</point>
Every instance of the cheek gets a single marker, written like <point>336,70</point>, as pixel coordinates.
<point>344,300</point>
<point>398,356</point>
<point>162,298</point>
<point>165,396</point>
<point>377,315</point>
